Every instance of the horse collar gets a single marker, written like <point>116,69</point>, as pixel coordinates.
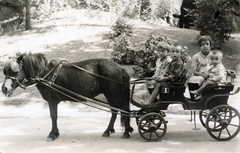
<point>55,75</point>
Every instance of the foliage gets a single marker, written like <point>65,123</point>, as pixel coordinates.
<point>143,57</point>
<point>121,27</point>
<point>213,17</point>
<point>131,11</point>
<point>122,30</point>
<point>161,9</point>
<point>146,58</point>
<point>121,52</point>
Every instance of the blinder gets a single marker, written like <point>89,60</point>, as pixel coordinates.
<point>16,68</point>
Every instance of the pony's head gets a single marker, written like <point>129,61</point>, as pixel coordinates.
<point>20,70</point>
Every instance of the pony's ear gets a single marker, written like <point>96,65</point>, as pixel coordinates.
<point>19,58</point>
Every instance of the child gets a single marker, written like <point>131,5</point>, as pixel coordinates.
<point>162,50</point>
<point>216,73</point>
<point>201,63</point>
<point>172,73</point>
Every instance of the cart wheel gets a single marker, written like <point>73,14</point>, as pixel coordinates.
<point>223,122</point>
<point>152,126</point>
<point>202,116</point>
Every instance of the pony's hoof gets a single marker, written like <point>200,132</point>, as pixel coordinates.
<point>124,136</point>
<point>105,135</point>
<point>51,138</point>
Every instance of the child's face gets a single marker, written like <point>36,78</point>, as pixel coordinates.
<point>205,47</point>
<point>176,53</point>
<point>215,60</point>
<point>162,52</point>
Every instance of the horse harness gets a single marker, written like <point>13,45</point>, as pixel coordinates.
<point>56,71</point>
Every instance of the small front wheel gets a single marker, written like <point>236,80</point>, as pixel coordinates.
<point>152,127</point>
<point>223,122</point>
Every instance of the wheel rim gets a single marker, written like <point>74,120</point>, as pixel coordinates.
<point>152,127</point>
<point>202,116</point>
<point>223,122</point>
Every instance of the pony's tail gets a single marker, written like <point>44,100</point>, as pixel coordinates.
<point>125,96</point>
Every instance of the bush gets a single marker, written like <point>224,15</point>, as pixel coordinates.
<point>121,52</point>
<point>213,18</point>
<point>122,30</point>
<point>144,57</point>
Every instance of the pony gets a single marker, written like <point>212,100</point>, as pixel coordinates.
<point>21,70</point>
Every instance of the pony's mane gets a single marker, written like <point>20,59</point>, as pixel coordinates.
<point>34,64</point>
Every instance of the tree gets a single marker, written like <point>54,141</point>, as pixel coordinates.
<point>28,15</point>
<point>18,6</point>
<point>213,17</point>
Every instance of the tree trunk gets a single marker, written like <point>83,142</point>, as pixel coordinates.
<point>28,15</point>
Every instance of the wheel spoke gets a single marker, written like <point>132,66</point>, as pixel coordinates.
<point>234,125</point>
<point>219,116</point>
<point>150,137</point>
<point>144,125</point>
<point>228,132</point>
<point>234,116</point>
<point>219,133</point>
<point>157,134</point>
<point>161,129</point>
<point>215,128</point>
<point>225,113</point>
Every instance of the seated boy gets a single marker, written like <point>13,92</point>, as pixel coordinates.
<point>216,73</point>
<point>172,73</point>
<point>162,50</point>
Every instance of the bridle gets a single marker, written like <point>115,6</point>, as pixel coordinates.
<point>20,84</point>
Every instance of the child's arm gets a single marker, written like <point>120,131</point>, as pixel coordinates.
<point>196,65</point>
<point>220,76</point>
<point>174,71</point>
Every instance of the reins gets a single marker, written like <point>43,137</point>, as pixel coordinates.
<point>100,76</point>
<point>58,68</point>
<point>60,65</point>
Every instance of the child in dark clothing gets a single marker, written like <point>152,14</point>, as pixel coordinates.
<point>172,73</point>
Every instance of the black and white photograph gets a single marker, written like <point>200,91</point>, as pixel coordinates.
<point>120,76</point>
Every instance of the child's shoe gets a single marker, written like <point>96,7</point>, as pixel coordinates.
<point>198,97</point>
<point>195,92</point>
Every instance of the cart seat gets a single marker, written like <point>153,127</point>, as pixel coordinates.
<point>172,91</point>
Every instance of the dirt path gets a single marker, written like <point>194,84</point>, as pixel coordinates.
<point>24,130</point>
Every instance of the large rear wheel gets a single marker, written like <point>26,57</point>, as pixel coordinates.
<point>203,115</point>
<point>223,122</point>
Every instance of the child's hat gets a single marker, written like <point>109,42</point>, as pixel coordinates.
<point>164,45</point>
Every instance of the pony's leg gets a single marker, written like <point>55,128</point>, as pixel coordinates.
<point>110,127</point>
<point>125,119</point>
<point>53,114</point>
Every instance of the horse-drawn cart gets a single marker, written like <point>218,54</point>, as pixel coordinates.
<point>82,81</point>
<point>221,120</point>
